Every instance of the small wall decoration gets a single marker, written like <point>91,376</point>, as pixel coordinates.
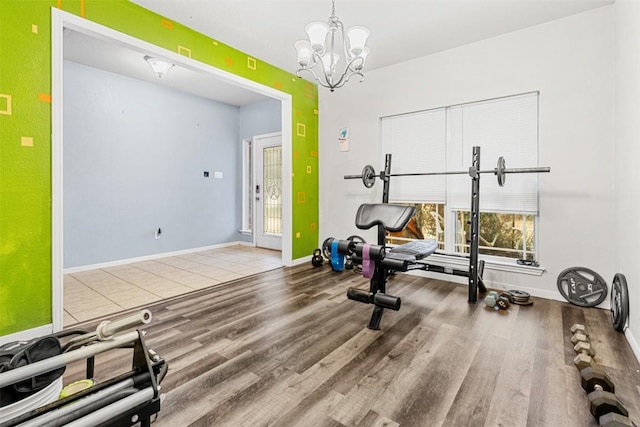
<point>343,139</point>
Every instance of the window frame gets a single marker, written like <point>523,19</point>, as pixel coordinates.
<point>449,255</point>
<point>247,187</point>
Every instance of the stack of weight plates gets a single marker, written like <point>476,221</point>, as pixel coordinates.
<point>518,297</point>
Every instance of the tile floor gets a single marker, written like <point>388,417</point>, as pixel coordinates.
<point>94,293</point>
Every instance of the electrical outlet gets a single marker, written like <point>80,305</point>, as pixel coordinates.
<point>206,174</point>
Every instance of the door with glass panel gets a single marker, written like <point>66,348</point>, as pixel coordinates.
<point>268,190</point>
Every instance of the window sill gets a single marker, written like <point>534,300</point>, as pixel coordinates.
<point>492,264</point>
<point>246,232</point>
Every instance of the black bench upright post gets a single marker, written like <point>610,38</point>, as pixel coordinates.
<point>475,225</point>
<point>386,179</point>
<point>379,280</point>
<point>378,283</point>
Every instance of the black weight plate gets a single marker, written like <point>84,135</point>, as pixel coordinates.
<point>348,259</point>
<point>368,176</point>
<point>582,286</point>
<point>356,238</point>
<point>519,294</point>
<point>619,302</point>
<point>326,247</point>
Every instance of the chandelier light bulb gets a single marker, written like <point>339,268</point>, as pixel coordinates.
<point>305,53</point>
<point>357,39</point>
<point>361,59</point>
<point>317,32</point>
<point>319,55</point>
<point>329,62</point>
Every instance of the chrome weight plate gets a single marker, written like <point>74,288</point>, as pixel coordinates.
<point>619,302</point>
<point>582,286</point>
<point>502,177</point>
<point>368,176</point>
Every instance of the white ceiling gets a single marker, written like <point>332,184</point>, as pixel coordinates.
<point>128,61</point>
<point>400,29</point>
<point>267,29</point>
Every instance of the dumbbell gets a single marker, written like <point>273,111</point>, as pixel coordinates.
<point>579,337</point>
<point>603,402</point>
<point>595,378</point>
<point>496,302</point>
<point>613,419</point>
<point>579,328</point>
<point>582,346</point>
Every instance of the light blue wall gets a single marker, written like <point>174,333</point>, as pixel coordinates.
<point>134,156</point>
<point>260,118</point>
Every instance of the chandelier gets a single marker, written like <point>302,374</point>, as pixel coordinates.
<point>324,40</point>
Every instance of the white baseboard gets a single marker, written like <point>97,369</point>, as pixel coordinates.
<point>534,292</point>
<point>306,259</point>
<point>633,343</point>
<point>28,334</point>
<point>151,257</point>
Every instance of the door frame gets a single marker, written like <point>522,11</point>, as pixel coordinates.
<point>254,148</point>
<point>61,20</point>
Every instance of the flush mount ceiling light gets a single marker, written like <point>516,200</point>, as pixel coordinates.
<point>159,66</point>
<point>320,49</point>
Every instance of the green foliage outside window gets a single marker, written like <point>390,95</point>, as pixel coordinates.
<point>501,234</point>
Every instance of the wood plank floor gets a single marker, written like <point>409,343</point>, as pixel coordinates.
<point>286,348</point>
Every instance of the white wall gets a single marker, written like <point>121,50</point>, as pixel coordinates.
<point>570,61</point>
<point>627,171</point>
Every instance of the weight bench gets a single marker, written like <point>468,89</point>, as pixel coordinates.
<point>378,262</point>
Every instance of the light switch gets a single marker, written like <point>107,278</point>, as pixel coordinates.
<point>217,175</point>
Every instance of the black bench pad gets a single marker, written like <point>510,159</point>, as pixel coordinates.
<point>391,217</point>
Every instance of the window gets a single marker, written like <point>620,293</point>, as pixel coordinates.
<point>441,140</point>
<point>272,189</point>
<point>247,185</point>
<point>427,223</point>
<point>503,235</point>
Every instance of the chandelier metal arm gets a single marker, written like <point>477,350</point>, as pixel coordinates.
<point>328,83</point>
<point>315,76</point>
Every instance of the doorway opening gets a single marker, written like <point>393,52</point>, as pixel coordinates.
<point>61,22</point>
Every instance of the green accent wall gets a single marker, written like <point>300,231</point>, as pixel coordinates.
<point>25,137</point>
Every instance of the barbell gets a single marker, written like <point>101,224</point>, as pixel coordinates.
<point>369,175</point>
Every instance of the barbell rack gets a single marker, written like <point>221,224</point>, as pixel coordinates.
<point>369,176</point>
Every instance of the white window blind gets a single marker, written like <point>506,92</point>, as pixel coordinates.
<point>417,143</point>
<point>505,127</point>
<point>442,140</point>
